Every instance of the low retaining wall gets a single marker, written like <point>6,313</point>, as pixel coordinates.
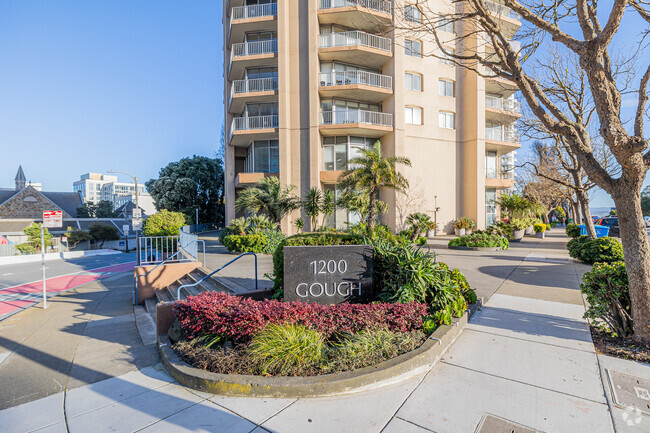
<point>10,260</point>
<point>387,372</point>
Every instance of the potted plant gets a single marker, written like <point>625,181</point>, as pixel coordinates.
<point>459,227</point>
<point>529,226</point>
<point>519,226</point>
<point>469,225</point>
<point>540,230</point>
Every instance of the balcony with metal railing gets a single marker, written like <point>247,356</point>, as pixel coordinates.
<point>356,85</point>
<point>503,140</point>
<point>250,18</point>
<point>349,47</point>
<point>510,20</point>
<point>358,14</point>
<point>501,110</point>
<point>253,53</point>
<point>356,122</point>
<point>245,129</point>
<point>259,89</point>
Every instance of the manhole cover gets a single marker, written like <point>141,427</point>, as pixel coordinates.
<point>494,424</point>
<point>630,391</point>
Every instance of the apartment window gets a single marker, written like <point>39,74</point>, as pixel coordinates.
<point>446,58</point>
<point>413,48</point>
<point>413,81</point>
<point>413,115</point>
<point>491,165</point>
<point>263,157</point>
<point>255,73</point>
<point>337,151</point>
<point>340,218</point>
<point>262,109</point>
<point>446,88</point>
<point>447,26</point>
<point>413,14</point>
<point>490,206</point>
<point>446,120</point>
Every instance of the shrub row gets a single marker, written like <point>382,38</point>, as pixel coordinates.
<point>481,240</point>
<point>238,319</point>
<point>608,297</point>
<point>265,241</point>
<point>590,251</point>
<point>572,230</point>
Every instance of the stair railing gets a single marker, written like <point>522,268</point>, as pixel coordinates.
<point>178,293</point>
<point>180,250</point>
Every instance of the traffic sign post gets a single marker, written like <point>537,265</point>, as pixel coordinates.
<point>51,219</point>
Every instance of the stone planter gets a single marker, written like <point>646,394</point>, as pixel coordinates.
<point>460,232</point>
<point>431,233</point>
<point>529,230</point>
<point>517,235</point>
<point>468,231</point>
<point>540,235</point>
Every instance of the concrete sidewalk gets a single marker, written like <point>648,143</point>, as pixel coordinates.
<point>525,363</point>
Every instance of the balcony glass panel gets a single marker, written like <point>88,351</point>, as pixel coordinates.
<point>355,37</point>
<point>376,5</point>
<point>254,11</point>
<point>341,78</point>
<point>269,46</point>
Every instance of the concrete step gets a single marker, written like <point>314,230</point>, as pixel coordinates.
<point>186,291</point>
<point>225,284</point>
<point>150,306</point>
<point>164,296</point>
<point>203,286</point>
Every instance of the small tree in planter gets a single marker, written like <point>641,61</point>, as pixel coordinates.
<point>419,223</point>
<point>464,226</point>
<point>540,230</point>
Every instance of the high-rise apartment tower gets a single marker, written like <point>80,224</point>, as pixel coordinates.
<point>308,83</point>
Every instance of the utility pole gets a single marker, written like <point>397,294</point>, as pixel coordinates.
<point>136,211</point>
<point>43,264</point>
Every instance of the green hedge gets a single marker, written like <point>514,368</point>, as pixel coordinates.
<point>480,240</point>
<point>572,230</point>
<point>608,297</point>
<point>264,241</point>
<point>304,240</point>
<point>605,249</point>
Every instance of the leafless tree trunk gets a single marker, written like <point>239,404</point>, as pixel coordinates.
<point>545,21</point>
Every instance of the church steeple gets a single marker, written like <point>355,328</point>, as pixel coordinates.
<point>20,178</point>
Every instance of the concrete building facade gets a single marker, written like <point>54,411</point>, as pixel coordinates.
<point>309,83</point>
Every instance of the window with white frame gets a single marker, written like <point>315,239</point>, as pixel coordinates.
<point>413,48</point>
<point>446,58</point>
<point>413,14</point>
<point>263,157</point>
<point>413,81</point>
<point>337,151</point>
<point>447,26</point>
<point>413,115</point>
<point>446,88</point>
<point>446,120</point>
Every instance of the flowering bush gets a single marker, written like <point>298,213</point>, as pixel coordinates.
<point>239,319</point>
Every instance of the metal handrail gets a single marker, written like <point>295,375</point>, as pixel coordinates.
<point>178,293</point>
<point>135,294</point>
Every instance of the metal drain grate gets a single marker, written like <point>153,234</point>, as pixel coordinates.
<point>494,424</point>
<point>630,391</point>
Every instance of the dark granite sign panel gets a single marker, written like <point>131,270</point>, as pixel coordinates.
<point>328,274</point>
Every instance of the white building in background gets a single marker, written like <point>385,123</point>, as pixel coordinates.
<point>95,187</point>
<point>145,202</point>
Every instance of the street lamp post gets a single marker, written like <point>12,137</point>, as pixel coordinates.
<point>137,206</point>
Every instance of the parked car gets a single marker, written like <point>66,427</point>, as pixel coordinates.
<point>612,223</point>
<point>647,220</point>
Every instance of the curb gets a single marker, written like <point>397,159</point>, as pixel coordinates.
<point>390,371</point>
<point>474,248</point>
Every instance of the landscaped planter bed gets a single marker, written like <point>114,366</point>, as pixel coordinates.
<point>389,371</point>
<point>474,248</point>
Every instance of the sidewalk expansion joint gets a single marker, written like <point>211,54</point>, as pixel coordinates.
<point>524,383</point>
<point>415,424</point>
<point>540,315</point>
<point>530,341</point>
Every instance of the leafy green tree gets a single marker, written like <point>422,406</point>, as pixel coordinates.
<point>33,233</point>
<point>328,205</point>
<point>103,232</point>
<point>75,236</point>
<point>86,211</point>
<point>164,223</point>
<point>190,184</point>
<point>104,209</point>
<point>268,198</point>
<point>371,172</point>
<point>645,201</point>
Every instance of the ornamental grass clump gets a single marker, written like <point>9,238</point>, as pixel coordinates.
<point>286,349</point>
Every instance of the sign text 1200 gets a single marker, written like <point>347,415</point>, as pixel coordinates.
<point>328,267</point>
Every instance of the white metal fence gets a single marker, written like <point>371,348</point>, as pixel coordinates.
<point>356,37</point>
<point>500,9</point>
<point>244,49</point>
<point>254,85</point>
<point>254,11</point>
<point>377,5</point>
<point>356,116</point>
<point>255,122</point>
<point>341,78</point>
<point>7,250</point>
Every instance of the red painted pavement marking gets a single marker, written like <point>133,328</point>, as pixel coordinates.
<point>59,284</point>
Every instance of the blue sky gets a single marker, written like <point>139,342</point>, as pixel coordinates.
<point>107,84</point>
<point>118,85</point>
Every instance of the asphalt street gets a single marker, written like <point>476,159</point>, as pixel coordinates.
<point>14,275</point>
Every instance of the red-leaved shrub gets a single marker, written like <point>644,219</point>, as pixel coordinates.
<point>239,319</point>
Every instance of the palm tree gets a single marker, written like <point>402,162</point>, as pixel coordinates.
<point>269,198</point>
<point>328,205</point>
<point>370,172</point>
<point>418,223</point>
<point>312,206</point>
